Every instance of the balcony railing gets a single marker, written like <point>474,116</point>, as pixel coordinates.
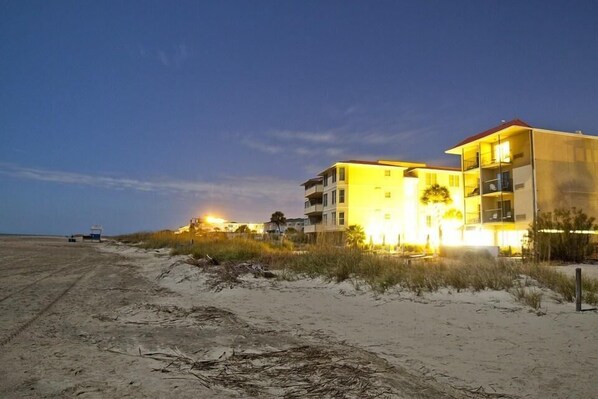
<point>472,191</point>
<point>313,209</point>
<point>313,228</point>
<point>314,191</point>
<point>498,215</point>
<point>320,227</point>
<point>498,186</point>
<point>472,218</point>
<point>471,163</point>
<point>490,160</point>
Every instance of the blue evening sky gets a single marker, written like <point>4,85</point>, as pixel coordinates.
<point>139,115</point>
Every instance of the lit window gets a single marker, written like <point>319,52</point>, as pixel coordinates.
<point>429,221</point>
<point>333,197</point>
<point>387,216</point>
<point>387,172</point>
<point>387,194</point>
<point>341,196</point>
<point>431,179</point>
<point>502,152</point>
<point>341,174</point>
<point>341,218</point>
<point>454,181</point>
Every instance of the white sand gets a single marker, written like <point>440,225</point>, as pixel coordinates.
<point>587,271</point>
<point>484,340</point>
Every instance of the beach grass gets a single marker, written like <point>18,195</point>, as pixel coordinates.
<point>217,246</point>
<point>470,272</point>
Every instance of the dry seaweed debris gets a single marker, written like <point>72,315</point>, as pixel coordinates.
<point>297,372</point>
<point>226,274</point>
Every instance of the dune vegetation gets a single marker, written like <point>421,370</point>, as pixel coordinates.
<point>525,280</point>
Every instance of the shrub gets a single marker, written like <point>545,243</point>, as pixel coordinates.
<point>561,235</point>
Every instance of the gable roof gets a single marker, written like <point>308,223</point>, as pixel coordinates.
<point>514,122</point>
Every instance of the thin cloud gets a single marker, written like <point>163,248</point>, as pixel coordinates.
<point>310,137</point>
<point>249,187</point>
<point>169,58</point>
<point>368,137</point>
<point>263,147</point>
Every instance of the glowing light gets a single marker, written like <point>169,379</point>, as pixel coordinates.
<point>214,220</point>
<point>570,231</point>
<point>502,152</point>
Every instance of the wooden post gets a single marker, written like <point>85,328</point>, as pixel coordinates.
<point>578,289</point>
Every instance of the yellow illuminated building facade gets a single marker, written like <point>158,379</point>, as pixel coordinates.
<point>508,174</point>
<point>384,198</point>
<point>513,171</point>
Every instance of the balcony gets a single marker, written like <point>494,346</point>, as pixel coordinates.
<point>491,161</point>
<point>313,228</point>
<point>498,215</point>
<point>472,191</point>
<point>314,191</point>
<point>321,228</point>
<point>496,187</point>
<point>471,163</point>
<point>313,209</point>
<point>472,218</point>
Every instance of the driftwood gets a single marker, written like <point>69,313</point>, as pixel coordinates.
<point>226,274</point>
<point>298,372</point>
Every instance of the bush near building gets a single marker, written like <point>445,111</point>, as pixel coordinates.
<point>565,234</point>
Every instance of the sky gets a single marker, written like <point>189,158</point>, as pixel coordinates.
<point>139,115</point>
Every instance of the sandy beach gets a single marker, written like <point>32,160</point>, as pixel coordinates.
<point>107,320</point>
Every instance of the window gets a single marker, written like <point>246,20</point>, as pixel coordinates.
<point>341,196</point>
<point>325,179</point>
<point>454,181</point>
<point>387,194</point>
<point>341,218</point>
<point>341,174</point>
<point>325,219</point>
<point>326,199</point>
<point>333,218</point>
<point>334,176</point>
<point>502,152</point>
<point>505,206</point>
<point>307,205</point>
<point>387,172</point>
<point>431,179</point>
<point>333,197</point>
<point>387,216</point>
<point>429,221</point>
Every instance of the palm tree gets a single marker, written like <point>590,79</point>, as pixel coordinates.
<point>278,219</point>
<point>436,196</point>
<point>354,236</point>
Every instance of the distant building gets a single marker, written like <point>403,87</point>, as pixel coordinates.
<point>211,224</point>
<point>383,197</point>
<point>294,223</point>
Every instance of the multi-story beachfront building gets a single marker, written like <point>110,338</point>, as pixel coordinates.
<point>508,174</point>
<point>514,170</point>
<point>384,198</point>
